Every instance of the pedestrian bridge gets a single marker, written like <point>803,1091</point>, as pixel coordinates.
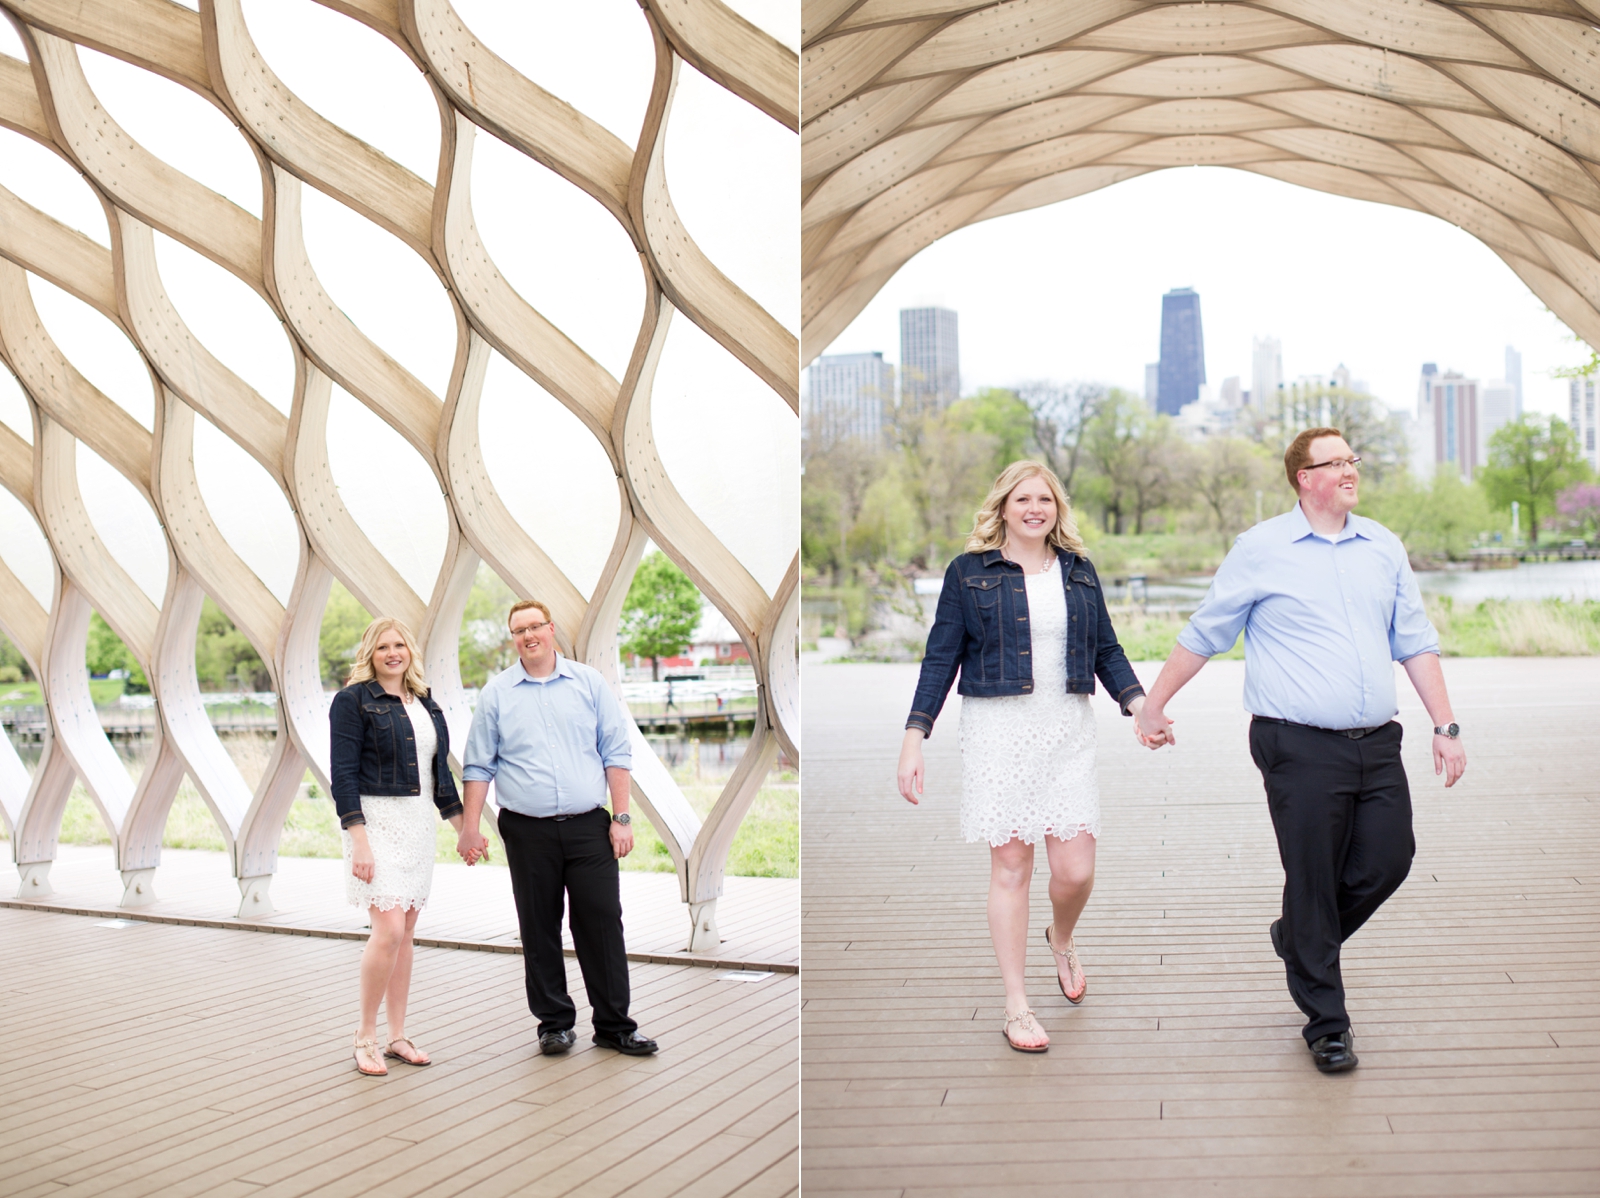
<point>1472,992</point>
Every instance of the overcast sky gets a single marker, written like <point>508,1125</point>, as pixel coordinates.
<point>1073,291</point>
<point>729,442</point>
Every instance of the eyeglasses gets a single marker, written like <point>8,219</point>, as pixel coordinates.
<point>530,629</point>
<point>1338,465</point>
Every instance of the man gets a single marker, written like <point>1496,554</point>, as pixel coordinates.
<point>1326,599</point>
<point>552,737</point>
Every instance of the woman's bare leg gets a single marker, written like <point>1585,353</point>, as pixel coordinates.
<point>1010,870</point>
<point>378,964</point>
<point>399,990</point>
<point>1071,881</point>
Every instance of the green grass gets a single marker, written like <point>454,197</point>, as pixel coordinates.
<point>1151,638</point>
<point>104,692</point>
<point>1510,628</point>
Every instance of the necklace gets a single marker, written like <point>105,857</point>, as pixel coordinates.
<point>1049,563</point>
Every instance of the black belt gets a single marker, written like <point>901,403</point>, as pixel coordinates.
<point>556,819</point>
<point>1352,733</point>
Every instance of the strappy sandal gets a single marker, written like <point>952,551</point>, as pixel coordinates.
<point>1027,1020</point>
<point>370,1047</point>
<point>1070,956</point>
<point>406,1040</point>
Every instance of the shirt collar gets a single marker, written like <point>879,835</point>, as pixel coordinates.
<point>1299,528</point>
<point>563,669</point>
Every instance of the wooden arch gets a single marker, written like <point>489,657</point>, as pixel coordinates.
<point>210,52</point>
<point>924,116</point>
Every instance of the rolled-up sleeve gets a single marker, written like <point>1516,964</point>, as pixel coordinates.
<point>611,729</point>
<point>1215,626</point>
<point>1411,632</point>
<point>480,757</point>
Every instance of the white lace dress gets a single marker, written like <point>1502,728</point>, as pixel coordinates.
<point>1028,761</point>
<point>401,831</point>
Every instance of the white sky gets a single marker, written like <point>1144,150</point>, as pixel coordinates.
<point>723,435</point>
<point>1073,291</point>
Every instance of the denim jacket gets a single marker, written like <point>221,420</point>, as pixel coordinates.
<point>374,751</point>
<point>981,631</point>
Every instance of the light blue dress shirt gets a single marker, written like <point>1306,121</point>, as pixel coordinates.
<point>1323,619</point>
<point>546,742</point>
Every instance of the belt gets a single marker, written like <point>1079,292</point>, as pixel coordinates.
<point>556,819</point>
<point>1352,733</point>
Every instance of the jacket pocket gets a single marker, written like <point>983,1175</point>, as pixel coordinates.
<point>379,718</point>
<point>983,594</point>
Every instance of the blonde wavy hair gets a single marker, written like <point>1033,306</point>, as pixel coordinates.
<point>361,669</point>
<point>989,526</point>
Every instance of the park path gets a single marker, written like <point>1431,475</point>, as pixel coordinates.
<point>1472,992</point>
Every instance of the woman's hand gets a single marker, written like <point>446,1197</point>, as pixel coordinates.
<point>361,862</point>
<point>1151,725</point>
<point>910,771</point>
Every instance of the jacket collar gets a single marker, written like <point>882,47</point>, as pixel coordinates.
<point>993,556</point>
<point>375,690</point>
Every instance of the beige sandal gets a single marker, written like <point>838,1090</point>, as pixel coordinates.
<point>1070,956</point>
<point>370,1047</point>
<point>1028,1023</point>
<point>406,1040</point>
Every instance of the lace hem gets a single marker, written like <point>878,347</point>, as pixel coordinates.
<point>998,838</point>
<point>385,903</point>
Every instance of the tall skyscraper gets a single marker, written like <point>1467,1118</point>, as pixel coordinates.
<point>848,396</point>
<point>1497,406</point>
<point>1449,415</point>
<point>1581,393</point>
<point>1266,371</point>
<point>930,360</point>
<point>1152,383</point>
<point>1183,352</point>
<point>1514,377</point>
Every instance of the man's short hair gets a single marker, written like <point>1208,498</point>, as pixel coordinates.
<point>1298,456</point>
<point>524,605</point>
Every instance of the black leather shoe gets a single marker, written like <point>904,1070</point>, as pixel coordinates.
<point>632,1044</point>
<point>1276,932</point>
<point>1335,1053</point>
<point>553,1044</point>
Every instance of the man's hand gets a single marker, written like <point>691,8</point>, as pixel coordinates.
<point>472,845</point>
<point>621,840</point>
<point>1151,725</point>
<point>1449,758</point>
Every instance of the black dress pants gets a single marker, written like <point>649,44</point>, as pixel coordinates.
<point>552,860</point>
<point>1341,809</point>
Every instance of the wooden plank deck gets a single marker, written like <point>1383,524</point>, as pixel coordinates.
<point>1472,993</point>
<point>759,918</point>
<point>155,1060</point>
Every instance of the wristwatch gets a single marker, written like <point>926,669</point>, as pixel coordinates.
<point>625,818</point>
<point>1450,730</point>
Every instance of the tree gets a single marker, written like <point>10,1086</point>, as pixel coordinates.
<point>224,658</point>
<point>1370,428</point>
<point>1061,414</point>
<point>1134,454</point>
<point>1436,519</point>
<point>1000,415</point>
<point>947,472</point>
<point>1530,463</point>
<point>344,621</point>
<point>1580,505</point>
<point>1225,473</point>
<point>485,646</point>
<point>105,652</point>
<point>661,612</point>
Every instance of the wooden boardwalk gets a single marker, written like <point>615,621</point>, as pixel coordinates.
<point>759,918</point>
<point>147,1059</point>
<point>1472,993</point>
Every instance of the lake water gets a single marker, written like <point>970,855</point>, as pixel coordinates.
<point>1574,581</point>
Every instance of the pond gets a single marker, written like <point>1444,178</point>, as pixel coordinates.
<point>1574,581</point>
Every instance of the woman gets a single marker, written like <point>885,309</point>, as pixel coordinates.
<point>390,770</point>
<point>1023,621</point>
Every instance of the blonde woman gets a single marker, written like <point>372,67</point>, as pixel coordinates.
<point>390,771</point>
<point>1023,622</point>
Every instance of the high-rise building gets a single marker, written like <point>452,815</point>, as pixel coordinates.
<point>1183,352</point>
<point>848,397</point>
<point>930,360</point>
<point>1497,406</point>
<point>1581,393</point>
<point>1514,377</point>
<point>1266,371</point>
<point>1152,383</point>
<point>1448,416</point>
<point>1422,450</point>
<point>1228,396</point>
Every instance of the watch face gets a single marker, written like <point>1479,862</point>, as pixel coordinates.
<point>624,818</point>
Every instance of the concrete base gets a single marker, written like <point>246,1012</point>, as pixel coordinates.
<point>254,901</point>
<point>35,880</point>
<point>704,938</point>
<point>139,887</point>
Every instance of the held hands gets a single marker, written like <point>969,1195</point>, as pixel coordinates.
<point>1151,726</point>
<point>1449,759</point>
<point>471,844</point>
<point>909,775</point>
